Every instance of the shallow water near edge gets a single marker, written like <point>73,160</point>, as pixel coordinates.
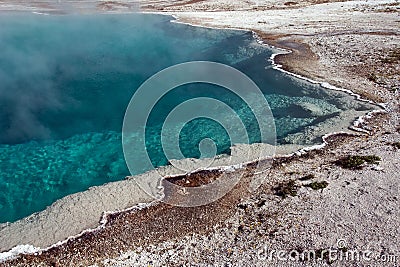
<point>65,82</point>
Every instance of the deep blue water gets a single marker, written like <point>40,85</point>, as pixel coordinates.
<point>65,82</point>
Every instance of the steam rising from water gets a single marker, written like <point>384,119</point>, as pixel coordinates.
<point>65,82</point>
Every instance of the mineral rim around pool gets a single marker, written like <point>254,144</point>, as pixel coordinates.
<point>66,82</point>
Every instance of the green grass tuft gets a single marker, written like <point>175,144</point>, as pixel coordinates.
<point>285,189</point>
<point>317,185</point>
<point>356,162</point>
<point>307,177</point>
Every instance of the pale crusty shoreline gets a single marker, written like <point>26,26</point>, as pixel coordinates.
<point>227,241</point>
<point>350,45</point>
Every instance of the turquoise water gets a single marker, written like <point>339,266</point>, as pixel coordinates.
<point>65,82</point>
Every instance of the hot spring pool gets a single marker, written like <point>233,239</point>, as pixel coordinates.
<point>65,82</point>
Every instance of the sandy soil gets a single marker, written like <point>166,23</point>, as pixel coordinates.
<point>354,45</point>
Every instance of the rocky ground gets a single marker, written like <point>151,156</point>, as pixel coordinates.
<point>358,209</point>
